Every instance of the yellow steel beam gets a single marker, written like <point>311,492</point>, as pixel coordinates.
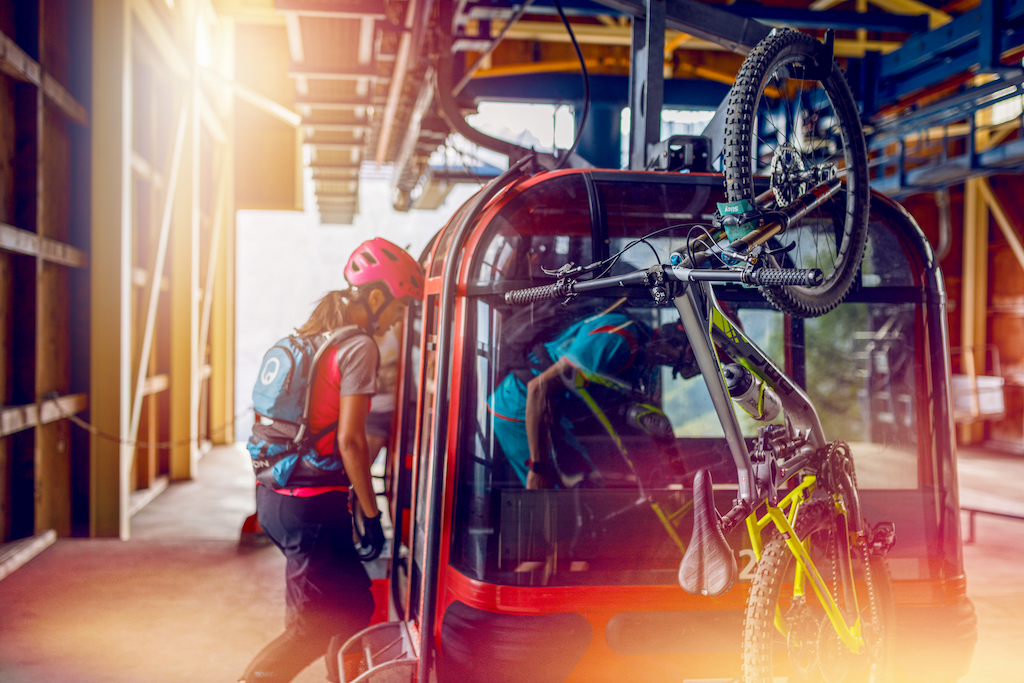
<point>671,45</point>
<point>594,34</point>
<point>974,298</point>
<point>936,17</point>
<point>1002,220</point>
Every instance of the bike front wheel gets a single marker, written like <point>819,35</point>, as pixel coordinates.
<point>795,121</point>
<point>810,648</point>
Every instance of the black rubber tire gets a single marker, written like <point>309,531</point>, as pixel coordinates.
<point>766,653</point>
<point>777,61</point>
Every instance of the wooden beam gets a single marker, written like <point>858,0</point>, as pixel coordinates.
<point>184,343</point>
<point>17,553</point>
<point>111,264</point>
<point>154,384</point>
<point>336,127</point>
<point>333,9</point>
<point>352,73</point>
<point>212,262</point>
<point>261,102</point>
<point>156,31</point>
<point>222,323</point>
<point>339,146</point>
<point>14,419</point>
<point>158,269</point>
<point>29,243</point>
<point>15,63</point>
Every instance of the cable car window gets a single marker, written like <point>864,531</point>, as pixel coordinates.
<point>627,420</point>
<point>544,227</point>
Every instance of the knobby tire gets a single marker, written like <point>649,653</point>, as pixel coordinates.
<point>768,657</point>
<point>780,63</point>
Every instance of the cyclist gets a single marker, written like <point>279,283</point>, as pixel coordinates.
<point>599,368</point>
<point>327,594</point>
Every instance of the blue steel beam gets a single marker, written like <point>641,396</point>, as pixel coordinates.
<point>835,19</point>
<point>776,16</point>
<point>566,88</point>
<point>973,41</point>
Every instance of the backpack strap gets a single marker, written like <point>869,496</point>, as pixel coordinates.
<point>336,337</point>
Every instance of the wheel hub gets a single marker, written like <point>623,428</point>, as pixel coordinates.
<point>789,178</point>
<point>802,644</point>
<point>834,657</point>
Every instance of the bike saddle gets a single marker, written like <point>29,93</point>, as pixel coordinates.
<point>709,565</point>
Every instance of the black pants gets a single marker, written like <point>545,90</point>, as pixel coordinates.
<point>327,590</point>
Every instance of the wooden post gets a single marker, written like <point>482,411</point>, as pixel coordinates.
<point>111,266</point>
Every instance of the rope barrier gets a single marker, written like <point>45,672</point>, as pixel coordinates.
<point>95,431</point>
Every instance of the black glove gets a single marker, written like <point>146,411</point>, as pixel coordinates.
<point>371,543</point>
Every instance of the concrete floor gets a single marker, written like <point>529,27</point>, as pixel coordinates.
<point>182,602</point>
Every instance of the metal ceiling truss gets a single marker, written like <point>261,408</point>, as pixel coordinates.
<point>389,81</point>
<point>952,138</point>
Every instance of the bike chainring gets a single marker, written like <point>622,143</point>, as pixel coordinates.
<point>836,464</point>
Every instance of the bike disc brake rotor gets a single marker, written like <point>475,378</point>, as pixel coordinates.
<point>834,657</point>
<point>788,173</point>
<point>802,642</point>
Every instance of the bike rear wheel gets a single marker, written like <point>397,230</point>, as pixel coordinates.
<point>812,650</point>
<point>797,123</point>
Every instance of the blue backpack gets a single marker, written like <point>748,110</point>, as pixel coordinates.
<point>284,444</point>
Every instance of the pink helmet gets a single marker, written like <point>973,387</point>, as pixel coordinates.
<point>378,260</point>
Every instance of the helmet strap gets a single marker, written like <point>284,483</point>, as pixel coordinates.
<point>373,316</point>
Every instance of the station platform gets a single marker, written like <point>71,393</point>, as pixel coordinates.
<point>182,601</point>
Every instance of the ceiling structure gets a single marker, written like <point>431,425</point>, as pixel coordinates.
<point>366,72</point>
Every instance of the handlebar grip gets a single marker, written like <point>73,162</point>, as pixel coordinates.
<point>521,297</point>
<point>774,277</point>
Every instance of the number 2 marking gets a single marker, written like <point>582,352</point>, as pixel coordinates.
<point>747,573</point>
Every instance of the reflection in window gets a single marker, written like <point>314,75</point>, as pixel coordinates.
<point>616,508</point>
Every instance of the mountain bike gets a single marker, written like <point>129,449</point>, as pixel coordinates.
<point>820,605</point>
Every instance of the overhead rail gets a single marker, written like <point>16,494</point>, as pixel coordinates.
<point>944,144</point>
<point>975,41</point>
<point>493,10</point>
<point>971,72</point>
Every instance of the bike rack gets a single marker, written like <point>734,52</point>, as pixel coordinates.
<point>388,651</point>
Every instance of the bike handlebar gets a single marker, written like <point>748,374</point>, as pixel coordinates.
<point>766,277</point>
<point>520,297</point>
<point>774,277</point>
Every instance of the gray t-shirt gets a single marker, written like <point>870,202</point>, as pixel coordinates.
<point>357,359</point>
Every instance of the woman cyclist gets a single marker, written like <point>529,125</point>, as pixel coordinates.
<point>327,590</point>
